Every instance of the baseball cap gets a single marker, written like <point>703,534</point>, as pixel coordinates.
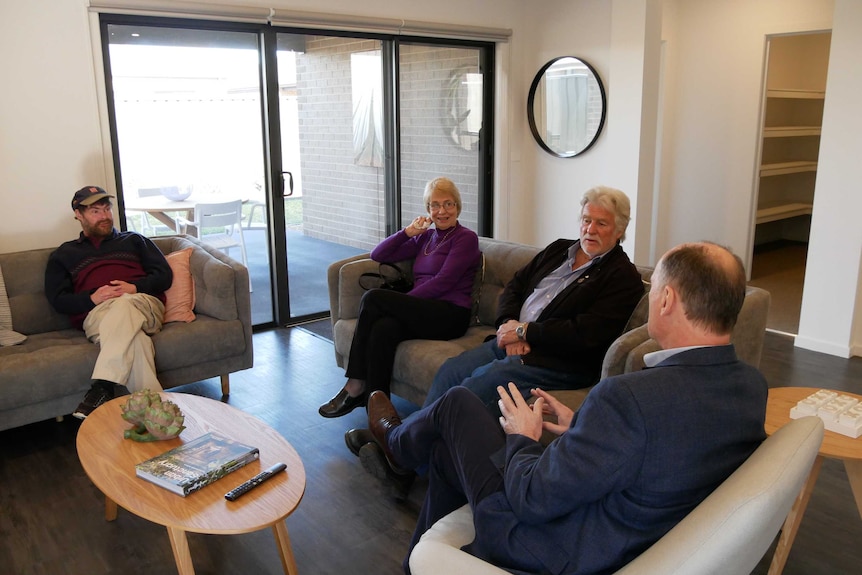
<point>88,195</point>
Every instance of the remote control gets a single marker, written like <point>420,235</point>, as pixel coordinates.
<point>244,488</point>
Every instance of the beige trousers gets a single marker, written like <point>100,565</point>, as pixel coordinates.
<point>122,327</point>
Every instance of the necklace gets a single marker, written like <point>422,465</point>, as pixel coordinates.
<point>440,243</point>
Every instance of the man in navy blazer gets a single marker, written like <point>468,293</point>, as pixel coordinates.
<point>644,449</point>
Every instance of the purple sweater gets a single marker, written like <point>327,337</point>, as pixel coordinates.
<point>444,265</point>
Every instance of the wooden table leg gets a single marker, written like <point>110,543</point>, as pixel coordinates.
<point>288,562</point>
<point>794,518</point>
<point>854,475</point>
<point>110,509</point>
<point>180,546</point>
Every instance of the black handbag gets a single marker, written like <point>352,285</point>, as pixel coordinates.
<point>389,276</point>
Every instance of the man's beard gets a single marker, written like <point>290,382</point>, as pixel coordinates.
<point>101,229</point>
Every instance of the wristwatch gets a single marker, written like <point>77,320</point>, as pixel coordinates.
<point>521,331</point>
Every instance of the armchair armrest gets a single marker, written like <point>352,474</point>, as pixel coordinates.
<point>439,549</point>
<point>627,351</point>
<point>345,286</point>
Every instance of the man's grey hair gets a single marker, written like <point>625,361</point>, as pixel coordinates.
<point>613,200</point>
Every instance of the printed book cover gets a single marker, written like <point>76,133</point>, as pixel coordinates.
<point>195,464</point>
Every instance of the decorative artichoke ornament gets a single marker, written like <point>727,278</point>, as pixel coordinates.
<point>153,418</point>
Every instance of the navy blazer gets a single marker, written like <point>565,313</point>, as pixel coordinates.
<point>643,450</point>
<point>575,330</point>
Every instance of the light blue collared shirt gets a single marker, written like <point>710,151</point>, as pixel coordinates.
<point>654,358</point>
<point>553,284</point>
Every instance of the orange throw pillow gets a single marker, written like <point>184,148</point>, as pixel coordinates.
<point>180,298</point>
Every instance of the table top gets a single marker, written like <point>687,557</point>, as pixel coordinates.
<point>109,461</point>
<point>782,399</point>
<point>163,204</point>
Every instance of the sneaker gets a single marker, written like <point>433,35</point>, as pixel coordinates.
<point>98,394</point>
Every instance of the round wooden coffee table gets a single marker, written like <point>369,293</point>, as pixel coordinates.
<point>109,461</point>
<point>835,446</point>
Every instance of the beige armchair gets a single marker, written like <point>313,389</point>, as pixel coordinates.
<point>727,534</point>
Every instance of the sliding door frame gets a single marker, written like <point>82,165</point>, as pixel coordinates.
<point>271,141</point>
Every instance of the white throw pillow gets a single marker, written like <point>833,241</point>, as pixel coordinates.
<point>7,336</point>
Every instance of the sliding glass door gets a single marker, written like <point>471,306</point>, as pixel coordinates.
<point>188,131</point>
<point>326,140</point>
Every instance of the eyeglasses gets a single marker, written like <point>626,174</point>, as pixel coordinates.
<point>449,204</point>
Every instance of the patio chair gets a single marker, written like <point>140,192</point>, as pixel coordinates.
<point>217,225</point>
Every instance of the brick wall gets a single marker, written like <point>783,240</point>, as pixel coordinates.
<point>342,201</point>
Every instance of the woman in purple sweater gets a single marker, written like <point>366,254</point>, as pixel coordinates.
<point>446,258</point>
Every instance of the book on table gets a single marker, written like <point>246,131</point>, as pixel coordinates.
<point>196,464</point>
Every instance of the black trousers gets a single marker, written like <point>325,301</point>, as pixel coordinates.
<point>455,437</point>
<point>386,318</point>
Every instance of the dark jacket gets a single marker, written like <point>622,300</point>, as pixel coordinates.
<point>575,330</point>
<point>643,450</point>
<point>78,268</point>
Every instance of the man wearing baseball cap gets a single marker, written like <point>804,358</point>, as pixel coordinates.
<point>112,285</point>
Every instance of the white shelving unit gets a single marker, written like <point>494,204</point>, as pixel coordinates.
<point>783,212</point>
<point>790,144</point>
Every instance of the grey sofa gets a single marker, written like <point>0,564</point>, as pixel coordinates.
<point>49,373</point>
<point>417,361</point>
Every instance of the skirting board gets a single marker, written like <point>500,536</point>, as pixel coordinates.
<point>827,347</point>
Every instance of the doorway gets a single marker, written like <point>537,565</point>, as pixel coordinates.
<point>795,72</point>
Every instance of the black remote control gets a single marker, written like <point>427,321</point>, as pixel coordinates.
<point>244,488</point>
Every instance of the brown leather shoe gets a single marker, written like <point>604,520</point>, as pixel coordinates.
<point>381,418</point>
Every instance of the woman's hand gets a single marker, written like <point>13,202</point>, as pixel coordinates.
<point>417,226</point>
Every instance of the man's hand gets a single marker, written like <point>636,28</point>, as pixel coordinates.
<point>553,407</point>
<point>518,417</point>
<point>114,289</point>
<point>506,333</point>
<point>518,348</point>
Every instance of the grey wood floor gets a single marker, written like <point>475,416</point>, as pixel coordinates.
<point>52,517</point>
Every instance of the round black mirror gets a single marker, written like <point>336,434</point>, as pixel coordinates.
<point>566,107</point>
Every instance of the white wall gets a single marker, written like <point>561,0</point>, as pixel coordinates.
<point>714,63</point>
<point>50,143</point>
<point>832,275</point>
<point>713,89</point>
<point>545,203</point>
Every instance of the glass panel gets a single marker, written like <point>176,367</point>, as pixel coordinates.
<point>441,121</point>
<point>189,132</point>
<point>332,146</point>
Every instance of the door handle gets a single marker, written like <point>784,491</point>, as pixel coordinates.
<point>290,179</point>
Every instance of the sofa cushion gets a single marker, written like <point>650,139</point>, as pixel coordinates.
<point>31,313</point>
<point>502,260</point>
<point>46,366</point>
<point>180,297</point>
<point>416,358</point>
<point>204,340</point>
<point>7,336</point>
<point>214,295</point>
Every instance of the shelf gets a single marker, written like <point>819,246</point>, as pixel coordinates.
<point>782,168</point>
<point>790,131</point>
<point>797,94</point>
<point>776,213</point>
